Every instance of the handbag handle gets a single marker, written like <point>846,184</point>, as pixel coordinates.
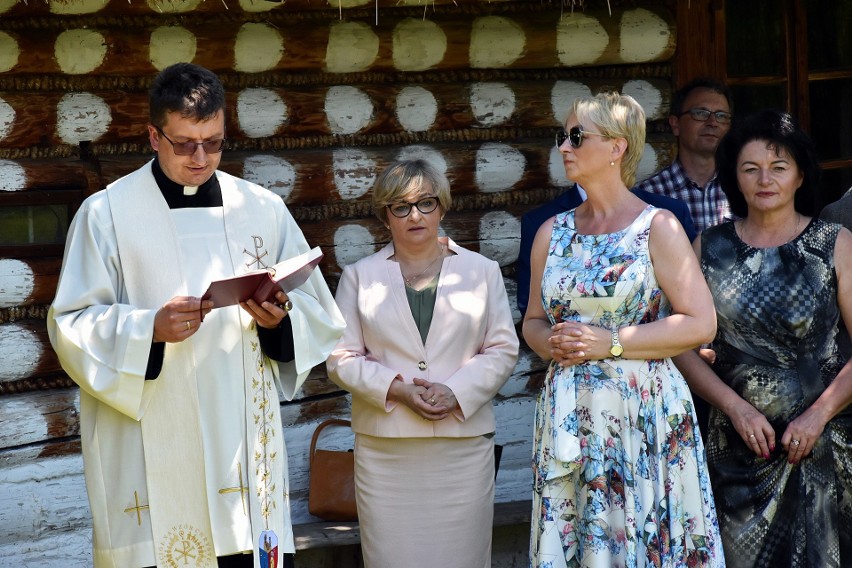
<point>320,428</point>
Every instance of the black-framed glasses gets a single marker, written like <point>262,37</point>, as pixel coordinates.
<point>574,136</point>
<point>189,148</point>
<point>425,205</point>
<point>703,115</point>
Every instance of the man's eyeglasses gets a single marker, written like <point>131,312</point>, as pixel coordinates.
<point>574,136</point>
<point>402,209</point>
<point>703,115</point>
<point>189,148</point>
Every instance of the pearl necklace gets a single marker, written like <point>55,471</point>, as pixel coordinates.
<point>409,281</point>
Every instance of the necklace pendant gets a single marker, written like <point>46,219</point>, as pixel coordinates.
<point>410,281</point>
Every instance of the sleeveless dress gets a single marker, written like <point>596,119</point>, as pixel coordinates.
<point>620,477</point>
<point>775,346</point>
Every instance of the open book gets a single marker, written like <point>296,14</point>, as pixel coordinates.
<point>261,285</point>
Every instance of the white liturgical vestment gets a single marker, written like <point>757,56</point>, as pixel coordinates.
<point>190,465</point>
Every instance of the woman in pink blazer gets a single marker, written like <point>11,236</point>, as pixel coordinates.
<point>428,343</point>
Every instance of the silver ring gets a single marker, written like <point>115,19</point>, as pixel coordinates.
<point>188,325</point>
<point>795,443</point>
<point>751,435</point>
<point>432,400</point>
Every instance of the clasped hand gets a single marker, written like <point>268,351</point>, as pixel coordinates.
<point>572,342</point>
<point>430,401</point>
<point>179,318</point>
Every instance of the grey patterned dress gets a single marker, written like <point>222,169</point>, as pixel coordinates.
<point>777,316</point>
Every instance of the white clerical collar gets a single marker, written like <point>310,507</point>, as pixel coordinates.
<point>190,189</point>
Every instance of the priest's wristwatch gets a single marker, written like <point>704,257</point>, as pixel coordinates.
<point>616,349</point>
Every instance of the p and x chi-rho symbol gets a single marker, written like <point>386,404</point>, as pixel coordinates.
<point>257,256</point>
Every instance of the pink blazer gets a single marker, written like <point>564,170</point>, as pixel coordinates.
<point>472,346</point>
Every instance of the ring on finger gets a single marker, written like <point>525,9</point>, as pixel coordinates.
<point>751,436</point>
<point>432,400</point>
<point>188,325</point>
<point>795,443</point>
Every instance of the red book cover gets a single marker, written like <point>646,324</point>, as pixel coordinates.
<point>261,285</point>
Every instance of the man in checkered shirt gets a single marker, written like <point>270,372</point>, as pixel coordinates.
<point>700,116</point>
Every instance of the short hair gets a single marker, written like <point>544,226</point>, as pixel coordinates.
<point>616,116</point>
<point>705,83</point>
<point>780,132</point>
<point>191,90</point>
<point>404,177</point>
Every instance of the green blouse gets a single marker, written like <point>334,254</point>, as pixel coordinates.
<point>422,304</point>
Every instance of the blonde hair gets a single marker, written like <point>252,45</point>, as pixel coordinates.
<point>616,116</point>
<point>405,177</point>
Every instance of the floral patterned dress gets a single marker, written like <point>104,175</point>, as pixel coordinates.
<point>620,477</point>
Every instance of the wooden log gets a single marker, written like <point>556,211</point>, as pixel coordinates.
<point>27,282</point>
<point>26,354</point>
<point>21,9</point>
<point>341,174</point>
<point>44,510</point>
<point>325,183</point>
<point>385,112</point>
<point>496,35</point>
<point>44,178</point>
<point>38,417</point>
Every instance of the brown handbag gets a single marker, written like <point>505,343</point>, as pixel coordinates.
<point>331,493</point>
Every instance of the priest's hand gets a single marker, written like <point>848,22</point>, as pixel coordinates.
<point>269,314</point>
<point>179,318</point>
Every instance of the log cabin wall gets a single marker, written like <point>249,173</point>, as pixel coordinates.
<point>320,98</point>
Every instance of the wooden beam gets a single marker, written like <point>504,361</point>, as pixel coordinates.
<point>384,111</point>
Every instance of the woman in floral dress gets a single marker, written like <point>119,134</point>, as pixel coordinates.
<point>620,478</point>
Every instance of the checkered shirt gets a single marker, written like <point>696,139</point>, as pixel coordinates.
<point>708,205</point>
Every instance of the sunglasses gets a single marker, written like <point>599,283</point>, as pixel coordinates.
<point>189,148</point>
<point>703,115</point>
<point>574,136</point>
<point>402,209</point>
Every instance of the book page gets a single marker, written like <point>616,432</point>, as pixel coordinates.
<point>262,285</point>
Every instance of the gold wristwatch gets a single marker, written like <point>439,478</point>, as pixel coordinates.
<point>616,349</point>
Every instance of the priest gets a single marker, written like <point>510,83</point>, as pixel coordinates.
<point>181,431</point>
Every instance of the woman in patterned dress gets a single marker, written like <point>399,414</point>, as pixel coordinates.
<point>620,478</point>
<point>780,447</point>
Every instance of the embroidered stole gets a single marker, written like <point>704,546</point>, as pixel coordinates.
<point>171,434</point>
